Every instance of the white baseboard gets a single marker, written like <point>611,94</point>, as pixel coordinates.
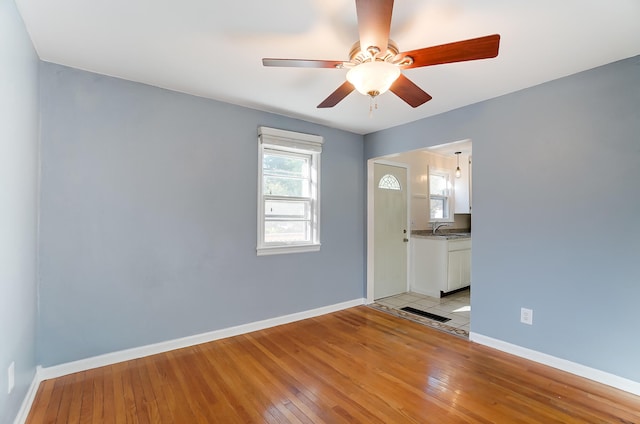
<point>142,351</point>
<point>23,413</point>
<point>559,363</point>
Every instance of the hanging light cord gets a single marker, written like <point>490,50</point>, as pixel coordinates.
<point>458,172</point>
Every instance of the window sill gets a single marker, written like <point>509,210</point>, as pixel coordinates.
<point>279,250</point>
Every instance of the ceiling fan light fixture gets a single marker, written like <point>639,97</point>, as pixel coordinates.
<point>375,62</point>
<point>373,78</point>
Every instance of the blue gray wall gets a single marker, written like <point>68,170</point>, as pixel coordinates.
<point>556,207</point>
<point>18,207</point>
<point>148,218</point>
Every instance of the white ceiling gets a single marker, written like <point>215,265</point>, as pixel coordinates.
<point>213,48</point>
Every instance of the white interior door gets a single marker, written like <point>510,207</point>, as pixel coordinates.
<point>390,230</point>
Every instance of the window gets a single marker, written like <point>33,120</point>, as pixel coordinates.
<point>389,182</point>
<point>440,195</point>
<point>288,191</point>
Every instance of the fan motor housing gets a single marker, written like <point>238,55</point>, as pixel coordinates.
<point>357,55</point>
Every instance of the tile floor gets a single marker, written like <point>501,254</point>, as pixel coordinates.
<point>456,307</point>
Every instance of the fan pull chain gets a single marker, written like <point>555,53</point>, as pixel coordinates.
<point>372,105</point>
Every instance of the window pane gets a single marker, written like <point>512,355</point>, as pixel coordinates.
<point>286,165</point>
<point>389,182</point>
<point>286,174</point>
<point>286,209</point>
<point>437,208</point>
<point>287,231</point>
<point>438,185</point>
<point>283,186</point>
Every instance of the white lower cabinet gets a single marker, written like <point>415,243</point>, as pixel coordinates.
<point>459,269</point>
<point>440,265</point>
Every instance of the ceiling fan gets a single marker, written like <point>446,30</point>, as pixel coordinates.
<point>375,62</point>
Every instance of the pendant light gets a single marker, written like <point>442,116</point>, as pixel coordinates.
<point>458,172</point>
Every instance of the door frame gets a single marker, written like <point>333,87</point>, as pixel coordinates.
<point>371,222</point>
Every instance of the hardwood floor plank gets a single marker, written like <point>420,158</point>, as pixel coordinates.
<point>108,395</point>
<point>86,407</point>
<point>231,410</point>
<point>212,401</point>
<point>257,401</point>
<point>131,411</point>
<point>75,405</point>
<point>98,394</point>
<point>52,407</point>
<point>192,399</point>
<point>155,383</point>
<point>62,414</point>
<point>119,405</point>
<point>44,397</point>
<point>153,400</point>
<point>177,398</point>
<point>286,383</point>
<point>354,366</point>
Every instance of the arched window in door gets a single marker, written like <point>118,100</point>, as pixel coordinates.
<point>389,182</point>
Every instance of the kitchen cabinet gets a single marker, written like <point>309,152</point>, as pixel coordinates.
<point>439,265</point>
<point>462,187</point>
<point>458,264</point>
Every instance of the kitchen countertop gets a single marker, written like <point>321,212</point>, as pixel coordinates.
<point>442,235</point>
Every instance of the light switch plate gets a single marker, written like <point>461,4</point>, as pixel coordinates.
<point>11,377</point>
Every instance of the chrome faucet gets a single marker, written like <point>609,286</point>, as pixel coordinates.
<point>436,225</point>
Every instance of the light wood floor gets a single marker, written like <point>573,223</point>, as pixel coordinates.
<point>353,366</point>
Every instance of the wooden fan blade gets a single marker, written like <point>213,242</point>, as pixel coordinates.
<point>334,98</point>
<point>404,88</point>
<point>374,23</point>
<point>302,63</point>
<point>460,51</point>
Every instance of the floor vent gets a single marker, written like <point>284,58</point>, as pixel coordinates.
<point>425,314</point>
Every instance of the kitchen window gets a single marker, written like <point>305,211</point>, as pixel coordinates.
<point>440,196</point>
<point>288,191</point>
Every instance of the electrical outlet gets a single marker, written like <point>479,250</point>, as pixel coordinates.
<point>526,316</point>
<point>11,377</point>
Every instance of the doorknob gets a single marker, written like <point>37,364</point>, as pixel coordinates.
<point>405,240</point>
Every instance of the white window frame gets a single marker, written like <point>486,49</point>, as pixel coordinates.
<point>272,139</point>
<point>448,198</point>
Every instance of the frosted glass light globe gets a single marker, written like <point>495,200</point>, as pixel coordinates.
<point>373,78</point>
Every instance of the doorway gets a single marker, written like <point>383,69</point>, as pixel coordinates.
<point>417,164</point>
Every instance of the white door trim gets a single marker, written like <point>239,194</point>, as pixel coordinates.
<point>370,222</point>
